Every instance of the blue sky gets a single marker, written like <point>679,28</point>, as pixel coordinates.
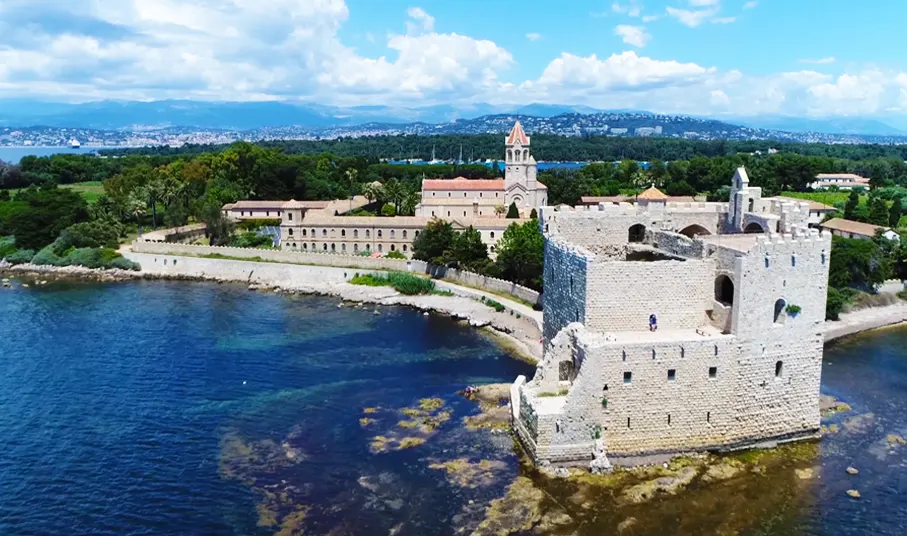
<point>718,57</point>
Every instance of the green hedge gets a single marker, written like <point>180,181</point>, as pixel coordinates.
<point>250,225</point>
<point>401,282</point>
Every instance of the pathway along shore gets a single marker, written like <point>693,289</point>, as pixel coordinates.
<point>520,331</point>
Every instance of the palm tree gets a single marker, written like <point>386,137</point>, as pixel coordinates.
<point>156,192</point>
<point>410,201</point>
<point>137,207</point>
<point>395,191</point>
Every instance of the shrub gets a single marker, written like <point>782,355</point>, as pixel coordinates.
<point>793,310</point>
<point>93,234</point>
<point>124,264</point>
<point>496,305</point>
<point>834,304</point>
<point>21,256</point>
<point>395,255</point>
<point>87,257</point>
<point>251,240</point>
<point>388,210</point>
<point>401,282</point>
<point>7,246</point>
<point>47,257</point>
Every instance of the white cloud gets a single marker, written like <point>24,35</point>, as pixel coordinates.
<point>820,61</point>
<point>650,18</point>
<point>632,8</point>
<point>633,35</point>
<point>533,36</point>
<point>723,20</point>
<point>750,5</point>
<point>422,21</point>
<point>704,3</point>
<point>691,17</point>
<point>719,98</point>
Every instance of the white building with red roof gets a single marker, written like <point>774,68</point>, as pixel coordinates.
<point>477,198</point>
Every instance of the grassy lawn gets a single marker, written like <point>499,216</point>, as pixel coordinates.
<point>90,191</point>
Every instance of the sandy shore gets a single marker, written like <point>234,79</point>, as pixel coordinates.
<point>865,320</point>
<point>519,334</point>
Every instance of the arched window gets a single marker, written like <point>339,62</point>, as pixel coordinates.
<point>324,247</point>
<point>355,233</point>
<point>492,234</point>
<point>393,247</point>
<point>333,247</point>
<point>291,232</point>
<point>637,233</point>
<point>404,234</point>
<point>379,234</point>
<point>417,233</point>
<point>694,230</point>
<point>780,304</point>
<point>343,232</point>
<point>313,233</point>
<point>724,290</point>
<point>404,247</point>
<point>356,248</point>
<point>305,246</point>
<point>509,154</point>
<point>779,369</point>
<point>393,233</point>
<point>324,232</point>
<point>754,228</point>
<point>342,247</point>
<point>492,249</point>
<point>526,154</point>
<point>368,247</point>
<point>304,233</point>
<point>380,248</point>
<point>751,205</point>
<point>367,233</point>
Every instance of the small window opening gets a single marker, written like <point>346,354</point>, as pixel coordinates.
<point>713,372</point>
<point>672,375</point>
<point>669,419</point>
<point>708,416</point>
<point>628,377</point>
<point>779,369</point>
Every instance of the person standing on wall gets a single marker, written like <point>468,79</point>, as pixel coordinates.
<point>653,322</point>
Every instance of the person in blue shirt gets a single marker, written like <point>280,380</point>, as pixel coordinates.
<point>653,322</point>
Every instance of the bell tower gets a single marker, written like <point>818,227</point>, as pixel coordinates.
<point>521,168</point>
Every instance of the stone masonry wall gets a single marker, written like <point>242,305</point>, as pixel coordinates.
<point>565,287</point>
<point>622,295</point>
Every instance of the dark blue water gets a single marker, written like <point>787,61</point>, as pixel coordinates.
<point>13,155</point>
<point>186,408</point>
<point>173,408</point>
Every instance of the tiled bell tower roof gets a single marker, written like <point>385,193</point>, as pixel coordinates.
<point>517,134</point>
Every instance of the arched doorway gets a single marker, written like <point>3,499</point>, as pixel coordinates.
<point>637,233</point>
<point>724,290</point>
<point>780,304</point>
<point>694,230</point>
<point>754,228</point>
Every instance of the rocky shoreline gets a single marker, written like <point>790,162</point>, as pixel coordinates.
<point>518,335</point>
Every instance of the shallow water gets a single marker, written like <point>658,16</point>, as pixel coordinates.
<point>187,408</point>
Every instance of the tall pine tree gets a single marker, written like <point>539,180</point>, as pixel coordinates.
<point>894,214</point>
<point>513,213</point>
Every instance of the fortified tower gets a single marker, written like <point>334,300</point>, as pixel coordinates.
<point>520,173</point>
<point>735,358</point>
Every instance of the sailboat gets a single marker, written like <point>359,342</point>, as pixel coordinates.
<point>434,160</point>
<point>74,143</point>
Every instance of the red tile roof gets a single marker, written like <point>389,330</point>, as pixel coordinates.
<point>853,227</point>
<point>462,183</point>
<point>517,134</point>
<point>653,194</point>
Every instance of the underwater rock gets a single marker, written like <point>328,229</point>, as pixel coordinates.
<point>461,472</point>
<point>852,471</point>
<point>552,521</point>
<point>641,493</point>
<point>858,423</point>
<point>895,440</point>
<point>853,493</point>
<point>805,474</point>
<point>722,471</point>
<point>625,524</point>
<point>516,512</point>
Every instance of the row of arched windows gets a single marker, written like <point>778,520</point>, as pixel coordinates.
<point>343,247</point>
<point>368,234</point>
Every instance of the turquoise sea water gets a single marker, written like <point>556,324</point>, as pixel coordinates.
<point>189,408</point>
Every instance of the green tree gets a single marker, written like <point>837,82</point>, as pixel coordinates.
<point>850,207</point>
<point>92,234</point>
<point>894,214</point>
<point>878,211</point>
<point>513,213</point>
<point>433,242</point>
<point>521,253</point>
<point>859,264</point>
<point>219,228</point>
<point>534,214</point>
<point>43,214</point>
<point>388,210</point>
<point>468,251</point>
<point>834,304</point>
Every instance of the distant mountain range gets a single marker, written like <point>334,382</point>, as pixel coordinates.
<point>175,121</point>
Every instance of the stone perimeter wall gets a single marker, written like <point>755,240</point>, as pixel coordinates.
<point>343,261</point>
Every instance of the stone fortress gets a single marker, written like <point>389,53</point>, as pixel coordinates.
<point>739,292</point>
<point>321,226</point>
